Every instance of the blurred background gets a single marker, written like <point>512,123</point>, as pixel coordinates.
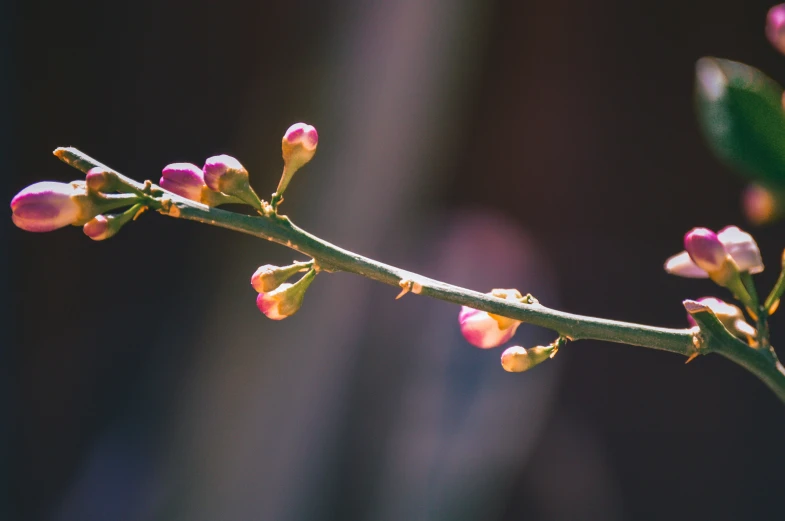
<point>547,146</point>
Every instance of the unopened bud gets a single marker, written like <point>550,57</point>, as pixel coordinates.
<point>46,206</point>
<point>740,245</point>
<point>705,249</point>
<point>102,227</point>
<point>98,228</point>
<point>482,330</point>
<point>225,174</point>
<point>516,359</point>
<point>100,180</point>
<point>285,300</point>
<point>298,147</point>
<point>268,277</point>
<point>775,27</point>
<point>183,179</point>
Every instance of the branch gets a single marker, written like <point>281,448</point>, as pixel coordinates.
<point>331,258</point>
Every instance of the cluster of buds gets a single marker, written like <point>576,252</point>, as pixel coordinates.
<point>722,257</point>
<point>277,298</point>
<point>222,180</point>
<point>729,258</point>
<point>48,206</point>
<point>487,330</point>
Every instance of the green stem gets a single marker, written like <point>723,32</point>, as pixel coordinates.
<point>329,257</point>
<point>776,292</point>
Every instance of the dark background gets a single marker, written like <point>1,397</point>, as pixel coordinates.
<point>549,146</point>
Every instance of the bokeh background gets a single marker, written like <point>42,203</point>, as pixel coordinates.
<point>548,146</point>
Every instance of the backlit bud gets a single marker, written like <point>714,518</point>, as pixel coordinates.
<point>775,27</point>
<point>100,180</point>
<point>740,245</point>
<point>268,277</point>
<point>184,179</point>
<point>286,300</point>
<point>759,205</point>
<point>225,174</point>
<point>516,359</point>
<point>102,227</point>
<point>482,330</point>
<point>98,228</point>
<point>298,147</point>
<point>46,206</point>
<point>731,317</point>
<point>705,249</point>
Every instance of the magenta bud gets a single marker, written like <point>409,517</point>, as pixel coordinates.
<point>775,27</point>
<point>268,277</point>
<point>46,206</point>
<point>482,330</point>
<point>739,244</point>
<point>184,179</point>
<point>300,136</point>
<point>99,180</point>
<point>225,174</point>
<point>705,249</point>
<point>298,147</point>
<point>286,299</point>
<point>98,228</point>
<point>221,172</point>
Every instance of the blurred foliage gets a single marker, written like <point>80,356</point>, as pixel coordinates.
<point>741,114</point>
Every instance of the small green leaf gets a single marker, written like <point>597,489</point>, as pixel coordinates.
<point>740,111</point>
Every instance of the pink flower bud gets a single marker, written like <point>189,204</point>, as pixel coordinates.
<point>775,27</point>
<point>99,180</point>
<point>268,277</point>
<point>738,244</point>
<point>516,359</point>
<point>481,330</point>
<point>705,249</point>
<point>298,147</point>
<point>286,299</point>
<point>225,174</point>
<point>222,172</point>
<point>759,205</point>
<point>184,179</point>
<point>299,144</point>
<point>46,206</point>
<point>98,228</point>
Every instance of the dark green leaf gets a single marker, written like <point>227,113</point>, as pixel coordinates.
<point>741,114</point>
